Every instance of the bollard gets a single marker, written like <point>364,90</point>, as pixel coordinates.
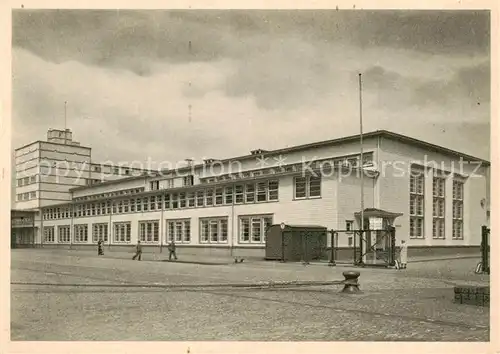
<point>351,282</point>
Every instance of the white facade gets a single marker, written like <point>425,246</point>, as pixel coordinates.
<point>229,203</point>
<point>47,170</point>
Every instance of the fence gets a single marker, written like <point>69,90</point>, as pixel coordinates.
<point>363,247</point>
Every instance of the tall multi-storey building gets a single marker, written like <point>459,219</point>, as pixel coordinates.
<point>46,171</point>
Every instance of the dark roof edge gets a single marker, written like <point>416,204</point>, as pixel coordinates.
<point>50,142</point>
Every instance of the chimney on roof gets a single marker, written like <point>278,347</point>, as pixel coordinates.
<point>258,151</point>
<point>207,161</point>
<point>189,162</point>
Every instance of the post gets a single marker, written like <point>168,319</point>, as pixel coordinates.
<point>362,223</point>
<point>162,223</point>
<point>71,228</point>
<point>65,139</point>
<point>485,249</point>
<point>110,232</point>
<point>33,228</point>
<point>282,227</point>
<point>232,223</point>
<point>332,249</point>
<point>392,259</point>
<point>42,234</point>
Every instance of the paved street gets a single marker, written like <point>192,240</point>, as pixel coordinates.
<point>59,295</point>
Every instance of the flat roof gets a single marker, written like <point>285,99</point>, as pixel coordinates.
<point>50,142</point>
<point>336,141</point>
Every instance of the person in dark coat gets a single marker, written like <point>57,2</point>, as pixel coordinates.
<point>171,251</point>
<point>138,252</point>
<point>100,248</point>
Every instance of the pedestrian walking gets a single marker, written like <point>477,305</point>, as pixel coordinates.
<point>100,248</point>
<point>171,251</point>
<point>138,251</point>
<point>403,254</point>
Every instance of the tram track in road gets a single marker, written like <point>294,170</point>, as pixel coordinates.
<point>228,291</point>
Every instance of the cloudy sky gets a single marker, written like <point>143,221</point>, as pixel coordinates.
<point>253,79</point>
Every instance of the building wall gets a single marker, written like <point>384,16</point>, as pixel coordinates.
<point>318,211</point>
<point>396,158</point>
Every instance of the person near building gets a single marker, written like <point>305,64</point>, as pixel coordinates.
<point>100,248</point>
<point>138,252</point>
<point>403,255</point>
<point>171,251</point>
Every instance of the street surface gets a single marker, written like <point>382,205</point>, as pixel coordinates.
<point>64,296</point>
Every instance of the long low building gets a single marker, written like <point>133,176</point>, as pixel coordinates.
<point>222,206</point>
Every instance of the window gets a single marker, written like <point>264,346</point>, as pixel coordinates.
<point>438,207</point>
<point>120,207</point>
<point>200,198</point>
<point>121,232</point>
<point>167,201</point>
<point>218,196</point>
<point>307,187</point>
<point>417,203</point>
<point>250,192</point>
<point>63,234</point>
<point>100,232</point>
<point>253,228</point>
<point>314,186</point>
<point>145,205</point>
<point>188,181</point>
<point>349,225</point>
<point>33,179</point>
<point>93,209</point>
<point>138,204</point>
<point>228,195</point>
<point>154,186</point>
<point>273,189</point>
<point>191,199</point>
<point>182,199</point>
<point>458,210</point>
<point>48,234</point>
<point>152,202</point>
<point>126,205</point>
<point>108,207</point>
<point>159,202</point>
<point>179,230</point>
<point>213,230</point>
<point>149,231</point>
<point>175,201</point>
<point>209,197</point>
<point>81,233</point>
<point>238,194</point>
<point>32,195</point>
<point>262,191</point>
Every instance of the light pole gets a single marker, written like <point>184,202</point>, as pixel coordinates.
<point>282,226</point>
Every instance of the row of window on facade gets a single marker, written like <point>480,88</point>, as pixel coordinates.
<point>254,192</point>
<point>417,210</point>
<point>252,229</point>
<point>26,181</point>
<point>26,196</point>
<point>123,192</point>
<point>351,161</point>
<point>112,169</point>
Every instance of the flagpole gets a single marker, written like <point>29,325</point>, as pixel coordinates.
<point>65,120</point>
<point>361,150</point>
<point>362,222</point>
